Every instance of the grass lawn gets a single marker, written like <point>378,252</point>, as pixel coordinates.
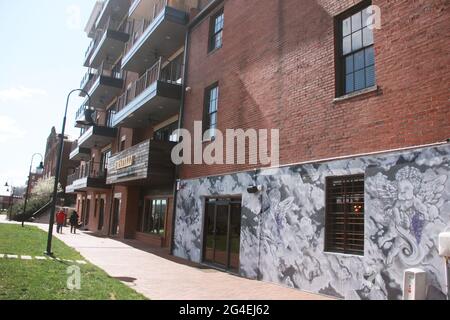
<point>47,280</point>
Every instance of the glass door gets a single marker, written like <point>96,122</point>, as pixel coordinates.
<point>101,216</point>
<point>116,217</point>
<point>222,233</point>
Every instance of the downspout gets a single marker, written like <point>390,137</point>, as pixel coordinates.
<point>180,125</point>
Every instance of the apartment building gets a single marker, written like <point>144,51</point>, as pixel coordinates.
<point>125,178</point>
<point>362,108</point>
<point>51,158</point>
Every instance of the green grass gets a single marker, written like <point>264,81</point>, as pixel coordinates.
<point>47,280</point>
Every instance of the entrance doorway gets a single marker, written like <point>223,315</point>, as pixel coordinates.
<point>116,217</point>
<point>101,214</point>
<point>223,233</point>
<point>87,212</point>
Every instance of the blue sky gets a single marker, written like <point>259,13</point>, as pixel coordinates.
<point>43,45</point>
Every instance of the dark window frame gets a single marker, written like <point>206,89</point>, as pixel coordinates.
<point>340,57</point>
<point>148,212</point>
<point>350,219</point>
<point>213,33</point>
<point>206,108</point>
<point>166,133</point>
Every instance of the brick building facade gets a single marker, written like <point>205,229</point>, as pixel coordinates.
<point>362,189</point>
<point>363,119</point>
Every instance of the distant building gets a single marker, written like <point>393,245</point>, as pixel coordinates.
<point>51,158</point>
<point>34,177</point>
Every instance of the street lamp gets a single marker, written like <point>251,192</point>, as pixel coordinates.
<point>11,196</point>
<point>58,172</point>
<point>41,167</point>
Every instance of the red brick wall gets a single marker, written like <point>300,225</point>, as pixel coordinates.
<point>276,70</point>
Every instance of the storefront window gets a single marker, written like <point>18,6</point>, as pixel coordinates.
<point>153,217</point>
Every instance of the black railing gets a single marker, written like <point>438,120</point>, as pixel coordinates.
<point>90,169</point>
<point>81,112</point>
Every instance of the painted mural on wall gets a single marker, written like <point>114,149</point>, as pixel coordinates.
<point>407,204</point>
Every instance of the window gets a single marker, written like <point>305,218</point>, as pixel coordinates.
<point>105,160</point>
<point>210,112</point>
<point>153,218</point>
<point>344,223</point>
<point>122,143</point>
<point>356,51</point>
<point>167,133</point>
<point>216,31</point>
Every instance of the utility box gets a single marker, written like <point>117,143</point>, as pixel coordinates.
<point>444,244</point>
<point>414,284</point>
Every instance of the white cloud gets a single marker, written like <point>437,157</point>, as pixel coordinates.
<point>9,129</point>
<point>20,93</point>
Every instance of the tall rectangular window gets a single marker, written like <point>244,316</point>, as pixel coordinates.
<point>344,225</point>
<point>167,133</point>
<point>153,217</point>
<point>211,108</point>
<point>216,31</point>
<point>356,50</point>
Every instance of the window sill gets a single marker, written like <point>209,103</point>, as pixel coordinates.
<point>375,90</point>
<point>348,255</point>
<point>213,51</point>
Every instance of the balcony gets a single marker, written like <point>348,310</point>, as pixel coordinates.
<point>79,154</point>
<point>90,176</point>
<point>162,32</point>
<point>106,84</point>
<point>147,162</point>
<point>108,43</point>
<point>152,98</point>
<point>112,8</point>
<point>84,117</point>
<point>98,136</point>
<point>86,80</point>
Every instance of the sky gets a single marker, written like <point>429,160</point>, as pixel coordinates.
<point>41,58</point>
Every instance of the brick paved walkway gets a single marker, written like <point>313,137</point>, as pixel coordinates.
<point>161,277</point>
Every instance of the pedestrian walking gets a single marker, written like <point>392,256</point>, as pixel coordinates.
<point>74,222</point>
<point>60,220</point>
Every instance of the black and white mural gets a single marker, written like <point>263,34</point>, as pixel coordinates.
<point>407,205</point>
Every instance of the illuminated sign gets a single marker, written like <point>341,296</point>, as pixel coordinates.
<point>125,162</point>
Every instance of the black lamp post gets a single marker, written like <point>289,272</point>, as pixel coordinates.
<point>58,172</point>
<point>11,196</point>
<point>41,167</point>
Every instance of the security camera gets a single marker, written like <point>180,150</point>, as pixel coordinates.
<point>254,189</point>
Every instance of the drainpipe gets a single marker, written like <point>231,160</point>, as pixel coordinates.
<point>180,125</point>
<point>206,10</point>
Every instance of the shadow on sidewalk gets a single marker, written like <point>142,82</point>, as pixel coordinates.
<point>163,253</point>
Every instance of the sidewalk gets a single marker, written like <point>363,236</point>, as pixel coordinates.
<point>162,279</point>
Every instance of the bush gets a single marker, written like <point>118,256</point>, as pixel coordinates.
<point>39,197</point>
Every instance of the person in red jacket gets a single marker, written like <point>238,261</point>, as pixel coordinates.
<point>60,220</point>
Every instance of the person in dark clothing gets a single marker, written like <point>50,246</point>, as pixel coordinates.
<point>74,222</point>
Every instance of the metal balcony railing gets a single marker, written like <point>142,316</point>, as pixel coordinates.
<point>105,70</point>
<point>138,26</point>
<point>111,24</point>
<point>87,77</point>
<point>81,112</point>
<point>90,169</point>
<point>170,74</point>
